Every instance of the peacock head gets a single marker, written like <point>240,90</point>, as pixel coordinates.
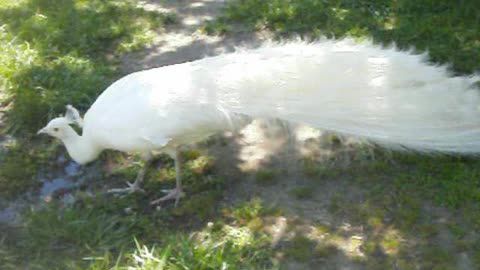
<point>58,128</point>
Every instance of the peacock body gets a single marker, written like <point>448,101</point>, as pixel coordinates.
<point>391,97</point>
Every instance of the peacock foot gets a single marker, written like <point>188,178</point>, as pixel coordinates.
<point>172,194</point>
<point>132,188</point>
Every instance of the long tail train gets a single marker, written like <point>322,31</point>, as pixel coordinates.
<point>388,96</point>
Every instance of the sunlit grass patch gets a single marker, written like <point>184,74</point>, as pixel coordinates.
<point>391,241</point>
<point>228,248</point>
<point>11,3</point>
<point>245,211</point>
<point>200,164</point>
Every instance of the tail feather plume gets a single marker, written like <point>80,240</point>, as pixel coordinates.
<point>391,97</point>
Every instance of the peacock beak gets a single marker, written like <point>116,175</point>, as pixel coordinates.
<point>41,131</point>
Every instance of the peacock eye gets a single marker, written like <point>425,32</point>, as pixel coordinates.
<point>55,129</point>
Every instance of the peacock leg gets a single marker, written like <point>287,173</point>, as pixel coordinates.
<point>135,186</point>
<point>177,192</point>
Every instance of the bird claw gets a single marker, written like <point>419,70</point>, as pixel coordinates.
<point>172,194</point>
<point>132,188</point>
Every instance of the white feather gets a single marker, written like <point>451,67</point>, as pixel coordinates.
<point>384,95</point>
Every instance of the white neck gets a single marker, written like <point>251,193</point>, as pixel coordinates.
<point>80,148</point>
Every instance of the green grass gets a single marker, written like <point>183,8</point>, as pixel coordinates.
<point>246,211</point>
<point>97,235</point>
<point>447,181</point>
<point>98,232</point>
